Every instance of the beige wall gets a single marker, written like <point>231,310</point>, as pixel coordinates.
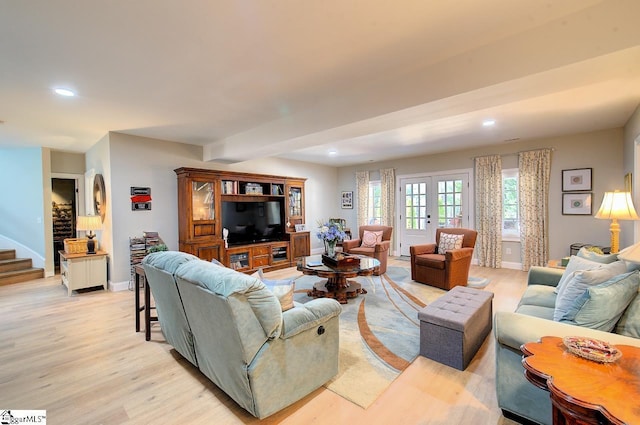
<point>144,162</point>
<point>602,151</point>
<point>67,162</point>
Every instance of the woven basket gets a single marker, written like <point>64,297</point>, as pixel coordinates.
<point>75,246</point>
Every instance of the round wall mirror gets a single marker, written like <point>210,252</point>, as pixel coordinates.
<point>99,196</point>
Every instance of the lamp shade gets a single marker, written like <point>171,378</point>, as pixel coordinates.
<point>630,254</point>
<point>89,222</point>
<point>617,205</point>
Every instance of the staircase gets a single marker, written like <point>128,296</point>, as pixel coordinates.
<point>14,270</point>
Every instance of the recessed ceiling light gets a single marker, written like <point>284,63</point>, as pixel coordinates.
<point>333,152</point>
<point>488,123</point>
<point>64,92</point>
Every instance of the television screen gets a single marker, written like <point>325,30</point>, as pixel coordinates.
<point>252,222</point>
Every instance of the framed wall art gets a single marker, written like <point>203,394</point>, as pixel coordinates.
<point>347,200</point>
<point>576,203</point>
<point>576,180</point>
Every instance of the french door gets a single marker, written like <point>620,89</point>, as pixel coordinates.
<point>428,202</point>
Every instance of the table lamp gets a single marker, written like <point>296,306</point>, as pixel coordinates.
<point>616,206</point>
<point>89,223</point>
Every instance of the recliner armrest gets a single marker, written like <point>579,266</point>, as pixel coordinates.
<point>423,249</point>
<point>308,316</point>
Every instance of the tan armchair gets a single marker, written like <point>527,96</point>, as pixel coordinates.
<point>443,270</point>
<point>380,251</point>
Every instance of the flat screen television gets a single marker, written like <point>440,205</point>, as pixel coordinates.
<point>253,222</point>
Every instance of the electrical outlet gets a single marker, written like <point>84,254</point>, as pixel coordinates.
<point>508,251</point>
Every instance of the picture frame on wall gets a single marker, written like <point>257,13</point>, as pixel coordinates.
<point>347,200</point>
<point>577,203</point>
<point>577,179</point>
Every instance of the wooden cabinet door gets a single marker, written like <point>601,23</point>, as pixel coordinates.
<point>300,244</point>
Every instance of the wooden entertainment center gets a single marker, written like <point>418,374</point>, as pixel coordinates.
<point>270,206</point>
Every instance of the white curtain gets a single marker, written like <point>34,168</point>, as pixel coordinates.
<point>387,195</point>
<point>488,177</point>
<point>362,183</point>
<point>534,170</point>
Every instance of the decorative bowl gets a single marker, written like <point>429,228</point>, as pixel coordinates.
<point>592,349</point>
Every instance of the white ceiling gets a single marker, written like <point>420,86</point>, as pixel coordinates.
<point>371,79</point>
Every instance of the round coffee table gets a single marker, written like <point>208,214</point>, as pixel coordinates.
<point>337,285</point>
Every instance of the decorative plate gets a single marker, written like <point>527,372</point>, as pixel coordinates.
<point>592,349</point>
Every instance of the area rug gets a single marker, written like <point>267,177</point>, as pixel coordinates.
<point>477,282</point>
<point>379,332</point>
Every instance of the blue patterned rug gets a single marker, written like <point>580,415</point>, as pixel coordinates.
<point>379,332</point>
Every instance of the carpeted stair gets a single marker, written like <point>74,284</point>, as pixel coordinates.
<point>14,270</point>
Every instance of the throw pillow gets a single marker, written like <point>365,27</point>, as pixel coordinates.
<point>575,264</point>
<point>449,242</point>
<point>598,258</point>
<point>283,289</point>
<point>602,305</point>
<point>629,323</point>
<point>370,239</point>
<point>579,283</point>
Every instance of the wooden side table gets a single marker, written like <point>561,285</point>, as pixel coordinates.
<point>583,391</point>
<point>146,307</point>
<point>80,271</point>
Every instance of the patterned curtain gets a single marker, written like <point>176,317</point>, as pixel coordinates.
<point>534,169</point>
<point>362,183</point>
<point>387,195</point>
<point>488,170</point>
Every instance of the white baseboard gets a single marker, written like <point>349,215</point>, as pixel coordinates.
<point>508,265</point>
<point>119,286</point>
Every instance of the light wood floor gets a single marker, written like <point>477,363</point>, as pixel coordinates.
<point>80,358</point>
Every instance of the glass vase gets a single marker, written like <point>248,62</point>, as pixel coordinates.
<point>330,247</point>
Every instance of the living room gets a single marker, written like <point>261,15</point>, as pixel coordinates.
<point>138,154</point>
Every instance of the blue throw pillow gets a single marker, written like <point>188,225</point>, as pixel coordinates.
<point>601,306</point>
<point>598,258</point>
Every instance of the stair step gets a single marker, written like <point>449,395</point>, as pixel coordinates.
<point>15,264</point>
<point>7,254</point>
<point>7,278</point>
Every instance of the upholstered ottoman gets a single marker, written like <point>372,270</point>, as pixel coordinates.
<point>453,327</point>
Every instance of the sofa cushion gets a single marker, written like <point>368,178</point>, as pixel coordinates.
<point>594,256</point>
<point>283,289</point>
<point>580,281</point>
<point>536,311</point>
<point>601,306</point>
<point>575,264</point>
<point>370,239</point>
<point>434,261</point>
<point>539,295</point>
<point>629,323</point>
<point>448,242</point>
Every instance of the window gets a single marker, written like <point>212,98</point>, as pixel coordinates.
<point>450,203</point>
<point>510,205</point>
<point>416,205</point>
<point>374,212</point>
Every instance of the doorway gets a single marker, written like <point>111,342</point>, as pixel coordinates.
<point>431,201</point>
<point>64,202</point>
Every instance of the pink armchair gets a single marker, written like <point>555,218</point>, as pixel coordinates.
<point>380,251</point>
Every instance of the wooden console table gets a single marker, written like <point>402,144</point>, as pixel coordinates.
<point>148,318</point>
<point>583,391</point>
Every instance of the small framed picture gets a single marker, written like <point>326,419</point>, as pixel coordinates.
<point>576,179</point>
<point>576,203</point>
<point>301,228</point>
<point>347,200</point>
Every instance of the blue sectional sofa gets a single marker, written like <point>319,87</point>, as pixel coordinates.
<point>616,322</point>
